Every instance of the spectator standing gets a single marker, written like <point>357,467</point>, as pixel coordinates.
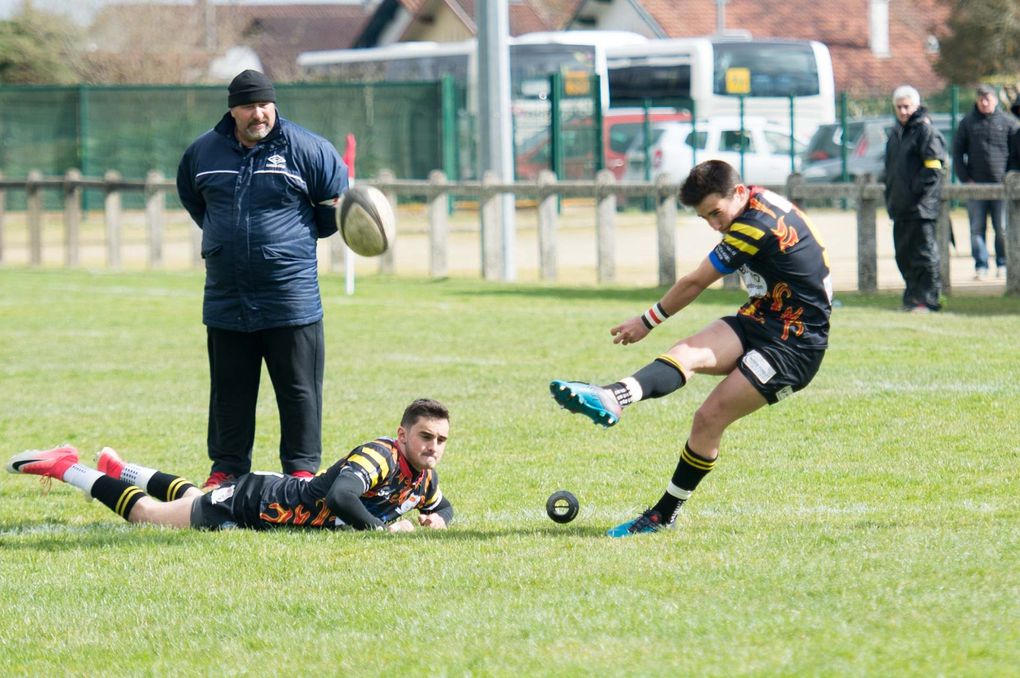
<point>915,159</point>
<point>263,190</point>
<point>981,154</point>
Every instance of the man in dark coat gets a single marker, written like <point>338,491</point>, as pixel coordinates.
<point>981,154</point>
<point>915,159</point>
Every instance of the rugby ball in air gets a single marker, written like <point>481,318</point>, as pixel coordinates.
<point>366,221</point>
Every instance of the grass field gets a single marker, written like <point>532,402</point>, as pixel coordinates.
<point>867,526</point>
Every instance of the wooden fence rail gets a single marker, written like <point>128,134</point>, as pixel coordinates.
<point>866,195</point>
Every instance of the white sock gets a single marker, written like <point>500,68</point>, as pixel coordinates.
<point>139,476</point>
<point>634,388</point>
<point>82,477</point>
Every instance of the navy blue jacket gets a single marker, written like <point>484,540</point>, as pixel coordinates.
<point>260,214</point>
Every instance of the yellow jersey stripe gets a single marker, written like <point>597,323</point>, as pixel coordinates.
<point>379,458</point>
<point>740,245</point>
<point>371,468</point>
<point>748,230</point>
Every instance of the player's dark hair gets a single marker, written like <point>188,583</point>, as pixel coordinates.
<point>711,176</point>
<point>424,407</point>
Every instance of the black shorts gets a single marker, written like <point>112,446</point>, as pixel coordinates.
<point>773,368</point>
<point>214,510</point>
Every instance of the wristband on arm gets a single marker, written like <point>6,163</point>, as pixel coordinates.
<point>654,316</point>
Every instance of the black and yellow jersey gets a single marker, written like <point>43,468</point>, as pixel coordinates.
<point>784,266</point>
<point>392,487</point>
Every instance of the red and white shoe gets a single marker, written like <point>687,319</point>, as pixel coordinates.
<point>47,463</point>
<point>110,463</point>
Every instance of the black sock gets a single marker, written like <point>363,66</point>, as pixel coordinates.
<point>689,472</point>
<point>119,496</point>
<point>660,377</point>
<point>166,487</point>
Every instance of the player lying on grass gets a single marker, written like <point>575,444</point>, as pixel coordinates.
<point>771,347</point>
<point>370,488</point>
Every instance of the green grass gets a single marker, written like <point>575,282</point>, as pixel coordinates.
<point>869,525</point>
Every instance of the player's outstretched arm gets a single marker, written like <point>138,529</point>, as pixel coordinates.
<point>678,297</point>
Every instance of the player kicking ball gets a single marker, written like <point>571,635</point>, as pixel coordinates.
<point>371,488</point>
<point>772,346</point>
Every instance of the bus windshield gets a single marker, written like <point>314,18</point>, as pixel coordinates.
<point>532,64</point>
<point>776,69</point>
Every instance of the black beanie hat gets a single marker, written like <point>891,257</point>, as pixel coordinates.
<point>250,87</point>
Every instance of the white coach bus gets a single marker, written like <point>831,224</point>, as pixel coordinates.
<point>708,75</point>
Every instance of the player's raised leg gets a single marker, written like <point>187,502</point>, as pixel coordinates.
<point>713,350</point>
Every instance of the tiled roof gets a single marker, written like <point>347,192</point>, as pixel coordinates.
<point>841,24</point>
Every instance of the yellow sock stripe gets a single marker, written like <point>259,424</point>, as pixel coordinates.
<point>666,358</point>
<point>697,462</point>
<point>125,498</point>
<point>175,488</point>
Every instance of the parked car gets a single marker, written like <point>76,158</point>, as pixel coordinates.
<point>675,146</point>
<point>865,148</point>
<point>619,128</point>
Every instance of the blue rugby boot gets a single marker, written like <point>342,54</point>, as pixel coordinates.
<point>597,403</point>
<point>649,521</point>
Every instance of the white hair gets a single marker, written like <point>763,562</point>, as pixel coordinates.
<point>906,92</point>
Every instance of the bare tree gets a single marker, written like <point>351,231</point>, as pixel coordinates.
<point>982,42</point>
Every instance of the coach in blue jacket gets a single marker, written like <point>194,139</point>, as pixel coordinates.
<point>262,190</point>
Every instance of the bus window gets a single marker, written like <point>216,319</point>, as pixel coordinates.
<point>663,83</point>
<point>777,69</point>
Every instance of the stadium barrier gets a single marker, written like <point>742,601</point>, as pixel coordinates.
<point>866,195</point>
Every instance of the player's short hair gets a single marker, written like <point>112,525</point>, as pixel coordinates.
<point>711,176</point>
<point>424,407</point>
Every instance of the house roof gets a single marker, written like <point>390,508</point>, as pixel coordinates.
<point>278,33</point>
<point>842,25</point>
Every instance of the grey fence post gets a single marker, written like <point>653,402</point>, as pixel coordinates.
<point>942,227</point>
<point>111,215</point>
<point>867,248</point>
<point>548,217</point>
<point>1012,182</point>
<point>490,227</point>
<point>33,201</point>
<point>154,201</point>
<point>3,209</point>
<point>605,225</point>
<point>387,259</point>
<point>72,217</point>
<point>439,227</point>
<point>665,229</point>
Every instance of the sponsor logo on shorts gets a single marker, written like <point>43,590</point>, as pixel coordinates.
<point>221,494</point>
<point>759,366</point>
<point>784,392</point>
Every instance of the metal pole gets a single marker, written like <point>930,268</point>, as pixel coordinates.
<point>495,125</point>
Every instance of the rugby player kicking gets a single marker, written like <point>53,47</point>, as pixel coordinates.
<point>771,347</point>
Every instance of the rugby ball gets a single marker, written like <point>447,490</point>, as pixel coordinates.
<point>366,221</point>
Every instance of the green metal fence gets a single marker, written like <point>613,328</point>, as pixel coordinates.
<point>135,129</point>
